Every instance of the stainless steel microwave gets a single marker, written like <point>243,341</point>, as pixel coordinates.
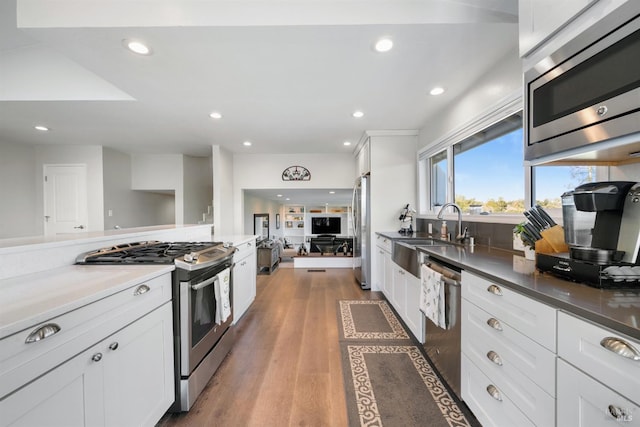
<point>587,92</point>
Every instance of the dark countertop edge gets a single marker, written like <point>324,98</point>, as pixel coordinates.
<point>491,263</point>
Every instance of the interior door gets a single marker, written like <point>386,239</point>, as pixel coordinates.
<point>65,199</point>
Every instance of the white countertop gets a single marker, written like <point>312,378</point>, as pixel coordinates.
<point>235,239</point>
<point>31,299</point>
<point>36,242</point>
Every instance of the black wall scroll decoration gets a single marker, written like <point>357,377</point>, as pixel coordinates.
<point>296,173</point>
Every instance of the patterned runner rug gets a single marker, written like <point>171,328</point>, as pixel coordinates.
<point>388,381</point>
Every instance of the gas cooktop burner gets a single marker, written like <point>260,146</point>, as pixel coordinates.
<point>184,254</point>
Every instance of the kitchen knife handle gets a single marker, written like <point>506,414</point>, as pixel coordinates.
<point>545,215</point>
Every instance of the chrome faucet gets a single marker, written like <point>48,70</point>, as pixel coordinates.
<point>460,236</point>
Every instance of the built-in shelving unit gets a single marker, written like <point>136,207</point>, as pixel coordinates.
<point>297,221</point>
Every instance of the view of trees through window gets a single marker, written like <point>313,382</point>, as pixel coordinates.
<point>489,177</point>
<point>550,182</point>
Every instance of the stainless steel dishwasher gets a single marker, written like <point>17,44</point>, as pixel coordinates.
<point>443,345</point>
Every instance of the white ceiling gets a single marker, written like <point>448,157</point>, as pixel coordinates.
<point>286,75</point>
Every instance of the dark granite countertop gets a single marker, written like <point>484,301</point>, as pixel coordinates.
<point>618,309</point>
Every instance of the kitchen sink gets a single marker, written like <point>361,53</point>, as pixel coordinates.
<point>404,252</point>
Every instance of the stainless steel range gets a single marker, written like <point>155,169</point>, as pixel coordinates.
<point>202,304</point>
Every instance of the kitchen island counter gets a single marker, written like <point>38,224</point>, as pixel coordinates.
<point>35,298</point>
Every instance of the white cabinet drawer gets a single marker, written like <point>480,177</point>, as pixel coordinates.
<point>20,362</point>
<point>384,243</point>
<point>532,318</point>
<point>579,343</point>
<point>523,361</point>
<point>496,411</point>
<point>584,402</point>
<point>244,250</point>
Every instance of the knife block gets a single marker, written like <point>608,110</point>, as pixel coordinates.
<point>552,241</point>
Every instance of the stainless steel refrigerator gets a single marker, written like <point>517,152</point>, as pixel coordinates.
<point>361,220</point>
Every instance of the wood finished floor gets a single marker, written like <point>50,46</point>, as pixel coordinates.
<point>284,369</point>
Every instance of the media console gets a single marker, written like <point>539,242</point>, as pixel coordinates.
<point>330,244</point>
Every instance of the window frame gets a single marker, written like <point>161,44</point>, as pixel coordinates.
<point>504,109</point>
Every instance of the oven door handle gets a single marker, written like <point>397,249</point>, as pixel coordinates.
<point>204,284</point>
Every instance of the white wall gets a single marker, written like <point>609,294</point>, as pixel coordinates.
<point>257,205</point>
<point>90,155</point>
<point>259,171</point>
<point>18,202</point>
<point>496,84</point>
<point>131,208</point>
<point>198,188</point>
<point>224,208</point>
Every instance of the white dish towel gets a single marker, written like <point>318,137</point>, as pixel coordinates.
<point>222,290</point>
<point>432,302</point>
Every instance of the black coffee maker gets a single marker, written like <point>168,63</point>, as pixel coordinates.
<point>602,229</point>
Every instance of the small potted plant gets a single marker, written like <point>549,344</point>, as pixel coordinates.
<point>528,244</point>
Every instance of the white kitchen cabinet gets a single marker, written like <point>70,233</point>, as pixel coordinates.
<point>487,402</point>
<point>413,316</point>
<point>363,161</point>
<point>584,402</point>
<point>138,370</point>
<point>109,363</point>
<point>244,278</point>
<point>508,347</point>
<point>584,345</point>
<point>539,19</point>
<point>384,276</point>
<point>124,380</point>
<point>392,161</point>
<point>532,318</point>
<point>405,299</point>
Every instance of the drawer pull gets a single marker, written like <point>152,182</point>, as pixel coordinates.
<point>42,332</point>
<point>494,323</point>
<point>620,414</point>
<point>142,289</point>
<point>620,347</point>
<point>113,345</point>
<point>494,357</point>
<point>494,392</point>
<point>96,357</point>
<point>495,290</point>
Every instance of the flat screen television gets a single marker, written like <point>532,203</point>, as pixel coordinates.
<point>325,225</point>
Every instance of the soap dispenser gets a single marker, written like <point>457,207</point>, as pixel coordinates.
<point>443,231</point>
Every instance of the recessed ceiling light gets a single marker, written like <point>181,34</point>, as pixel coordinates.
<point>437,91</point>
<point>384,45</point>
<point>247,143</point>
<point>138,47</point>
<point>215,115</point>
<point>332,192</point>
<point>41,128</point>
<point>278,195</point>
<point>358,114</point>
<point>287,198</point>
<point>346,143</point>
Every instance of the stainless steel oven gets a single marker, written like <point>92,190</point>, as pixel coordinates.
<point>203,314</point>
<point>588,91</point>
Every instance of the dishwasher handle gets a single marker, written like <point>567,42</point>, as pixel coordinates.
<point>449,276</point>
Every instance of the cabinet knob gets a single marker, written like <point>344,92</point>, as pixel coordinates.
<point>113,345</point>
<point>494,392</point>
<point>494,323</point>
<point>494,357</point>
<point>621,348</point>
<point>42,332</point>
<point>142,289</point>
<point>96,357</point>
<point>495,290</point>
